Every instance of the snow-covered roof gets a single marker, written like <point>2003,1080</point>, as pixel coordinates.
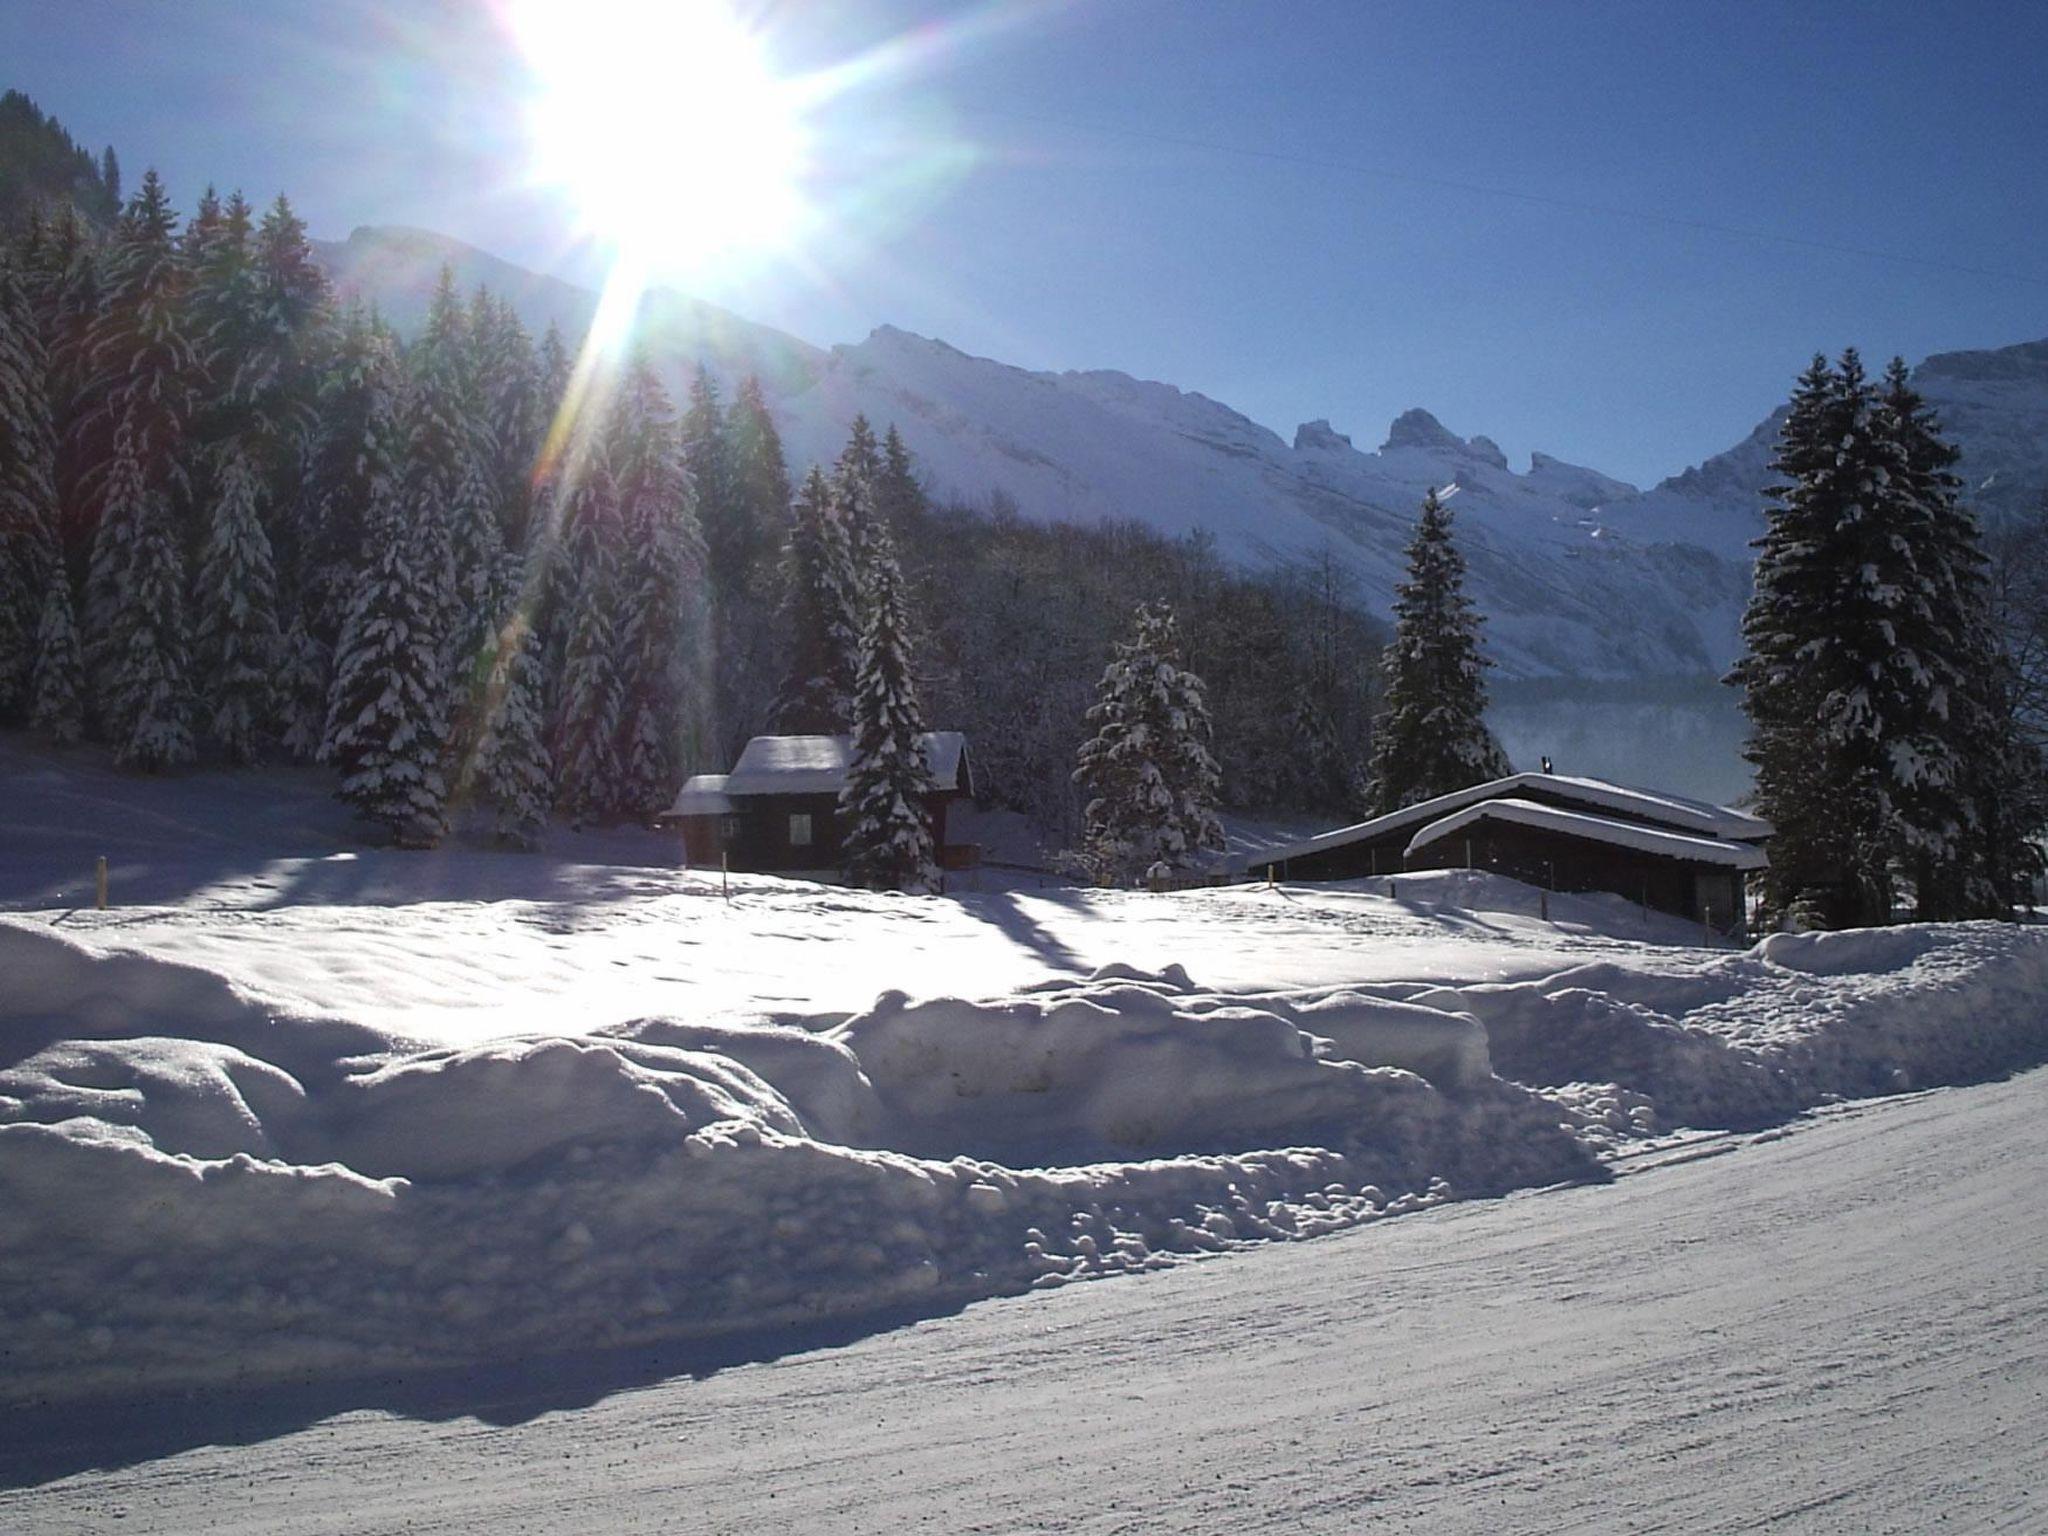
<point>703,795</point>
<point>816,765</point>
<point>1696,817</point>
<point>1597,829</point>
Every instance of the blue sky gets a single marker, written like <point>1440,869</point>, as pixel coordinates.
<point>1302,209</point>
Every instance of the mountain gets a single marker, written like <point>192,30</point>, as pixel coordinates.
<point>1581,576</point>
<point>1993,403</point>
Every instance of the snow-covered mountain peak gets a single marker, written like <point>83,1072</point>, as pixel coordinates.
<point>1416,428</point>
<point>1319,436</point>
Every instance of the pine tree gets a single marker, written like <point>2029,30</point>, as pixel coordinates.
<point>708,455</point>
<point>305,675</point>
<point>383,717</point>
<point>477,559</point>
<point>1152,783</point>
<point>57,689</point>
<point>1431,736</point>
<point>744,621</point>
<point>512,770</point>
<point>279,370</point>
<point>509,393</point>
<point>29,557</point>
<point>138,649</point>
<point>353,468</point>
<point>898,496</point>
<point>1781,692</point>
<point>586,725</point>
<point>1960,766</point>
<point>888,839</point>
<point>67,291</point>
<point>236,646</point>
<point>819,616</point>
<point>854,481</point>
<point>661,546</point>
<point>110,176</point>
<point>141,358</point>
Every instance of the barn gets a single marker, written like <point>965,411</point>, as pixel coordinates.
<point>778,810</point>
<point>1563,833</point>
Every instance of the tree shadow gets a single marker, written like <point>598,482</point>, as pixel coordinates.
<point>1003,911</point>
<point>50,1442</point>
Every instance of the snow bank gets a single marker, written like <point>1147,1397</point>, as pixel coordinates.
<point>201,1189</point>
<point>1753,1037</point>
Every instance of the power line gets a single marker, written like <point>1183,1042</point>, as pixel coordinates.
<point>1604,210</point>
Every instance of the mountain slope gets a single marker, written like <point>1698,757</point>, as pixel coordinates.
<point>1580,575</point>
<point>1993,403</point>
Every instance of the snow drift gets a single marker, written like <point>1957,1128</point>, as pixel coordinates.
<point>202,1189</point>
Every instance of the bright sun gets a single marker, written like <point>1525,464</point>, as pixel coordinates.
<point>662,122</point>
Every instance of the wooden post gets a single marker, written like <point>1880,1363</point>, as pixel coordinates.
<point>100,883</point>
<point>725,874</point>
<point>1270,881</point>
<point>1543,901</point>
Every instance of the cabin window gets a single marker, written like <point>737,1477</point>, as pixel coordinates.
<point>728,831</point>
<point>800,829</point>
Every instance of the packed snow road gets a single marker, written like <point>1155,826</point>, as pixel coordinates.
<point>1841,1326</point>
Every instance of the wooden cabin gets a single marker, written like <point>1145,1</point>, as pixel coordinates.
<point>1563,833</point>
<point>777,812</point>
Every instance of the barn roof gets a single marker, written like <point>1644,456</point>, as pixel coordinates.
<point>1596,829</point>
<point>1695,818</point>
<point>817,765</point>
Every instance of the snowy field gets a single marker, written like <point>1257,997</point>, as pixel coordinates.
<point>295,1115</point>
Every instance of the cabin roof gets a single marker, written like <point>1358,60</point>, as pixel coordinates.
<point>814,765</point>
<point>1596,829</point>
<point>703,795</point>
<point>1695,818</point>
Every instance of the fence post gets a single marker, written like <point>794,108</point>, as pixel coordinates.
<point>100,883</point>
<point>725,874</point>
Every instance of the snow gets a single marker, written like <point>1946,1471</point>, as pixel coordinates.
<point>702,794</point>
<point>817,765</point>
<point>1597,829</point>
<point>317,1116</point>
<point>1833,1327</point>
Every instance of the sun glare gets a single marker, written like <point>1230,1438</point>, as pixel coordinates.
<point>663,124</point>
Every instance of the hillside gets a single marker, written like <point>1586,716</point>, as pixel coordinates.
<point>1565,598</point>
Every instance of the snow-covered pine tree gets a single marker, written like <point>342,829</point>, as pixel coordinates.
<point>57,689</point>
<point>1810,843</point>
<point>708,455</point>
<point>384,709</point>
<point>588,702</point>
<point>743,629</point>
<point>29,558</point>
<point>509,393</point>
<point>224,314</point>
<point>511,763</point>
<point>353,468</point>
<point>477,559</point>
<point>1431,736</point>
<point>898,496</point>
<point>305,673</point>
<point>820,622</point>
<point>443,441</point>
<point>1964,772</point>
<point>139,651</point>
<point>140,356</point>
<point>236,647</point>
<point>661,547</point>
<point>1151,780</point>
<point>887,842</point>
<point>66,289</point>
<point>855,479</point>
